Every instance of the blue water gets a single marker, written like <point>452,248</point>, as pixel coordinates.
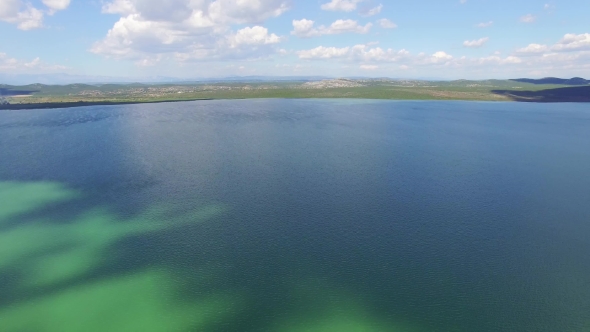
<point>296,215</point>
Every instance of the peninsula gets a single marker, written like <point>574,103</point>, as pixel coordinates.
<point>72,95</point>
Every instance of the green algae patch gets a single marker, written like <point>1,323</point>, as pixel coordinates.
<point>325,307</point>
<point>65,275</point>
<point>23,197</point>
<point>143,301</point>
<point>47,251</point>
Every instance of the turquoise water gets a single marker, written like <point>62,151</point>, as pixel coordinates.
<point>296,215</point>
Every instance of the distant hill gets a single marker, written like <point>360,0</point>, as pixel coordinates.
<point>62,79</point>
<point>554,80</point>
<point>569,94</point>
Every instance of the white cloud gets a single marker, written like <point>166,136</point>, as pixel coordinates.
<point>533,49</point>
<point>322,52</point>
<point>569,43</point>
<point>369,67</point>
<point>359,52</point>
<point>485,24</point>
<point>386,24</point>
<point>305,28</point>
<point>377,54</point>
<point>12,65</point>
<point>361,58</point>
<point>567,60</point>
<point>342,26</point>
<point>476,43</point>
<point>440,56</point>
<point>369,58</point>
<point>511,60</point>
<point>494,59</point>
<point>190,29</point>
<point>218,11</point>
<point>372,11</point>
<point>9,8</point>
<point>573,42</point>
<point>25,15</point>
<point>124,7</point>
<point>462,2</point>
<point>56,5</point>
<point>148,62</point>
<point>245,11</point>
<point>568,56</point>
<point>529,18</point>
<point>253,36</point>
<point>341,5</point>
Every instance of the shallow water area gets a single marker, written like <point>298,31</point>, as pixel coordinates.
<point>296,215</point>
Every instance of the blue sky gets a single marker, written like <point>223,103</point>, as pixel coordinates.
<point>447,39</point>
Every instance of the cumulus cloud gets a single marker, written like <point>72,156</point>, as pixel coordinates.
<point>190,29</point>
<point>359,52</point>
<point>570,54</point>
<point>253,36</point>
<point>529,18</point>
<point>124,7</point>
<point>305,28</point>
<point>440,57</point>
<point>12,65</point>
<point>533,49</point>
<point>569,43</point>
<point>386,24</point>
<point>369,67</point>
<point>371,57</point>
<point>476,43</point>
<point>485,24</point>
<point>147,62</point>
<point>341,5</point>
<point>56,5</point>
<point>372,11</point>
<point>244,12</point>
<point>322,52</point>
<point>25,15</point>
<point>494,59</point>
<point>6,62</point>
<point>573,42</point>
<point>566,60</point>
<point>218,11</point>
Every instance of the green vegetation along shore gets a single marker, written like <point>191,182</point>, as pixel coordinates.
<point>73,95</point>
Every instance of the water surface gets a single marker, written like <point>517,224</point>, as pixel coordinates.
<point>296,215</point>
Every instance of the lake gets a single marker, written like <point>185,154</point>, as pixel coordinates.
<point>296,215</point>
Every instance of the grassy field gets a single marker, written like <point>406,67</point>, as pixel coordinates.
<point>54,96</point>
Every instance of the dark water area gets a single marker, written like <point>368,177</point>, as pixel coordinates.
<point>296,215</point>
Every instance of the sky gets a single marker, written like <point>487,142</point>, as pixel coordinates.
<point>190,39</point>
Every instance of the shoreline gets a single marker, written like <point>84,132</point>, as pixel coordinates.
<point>51,99</point>
<point>56,105</point>
<point>36,106</point>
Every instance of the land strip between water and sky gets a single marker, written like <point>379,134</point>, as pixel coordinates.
<point>36,96</point>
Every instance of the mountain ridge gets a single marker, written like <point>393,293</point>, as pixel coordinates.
<point>554,80</point>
